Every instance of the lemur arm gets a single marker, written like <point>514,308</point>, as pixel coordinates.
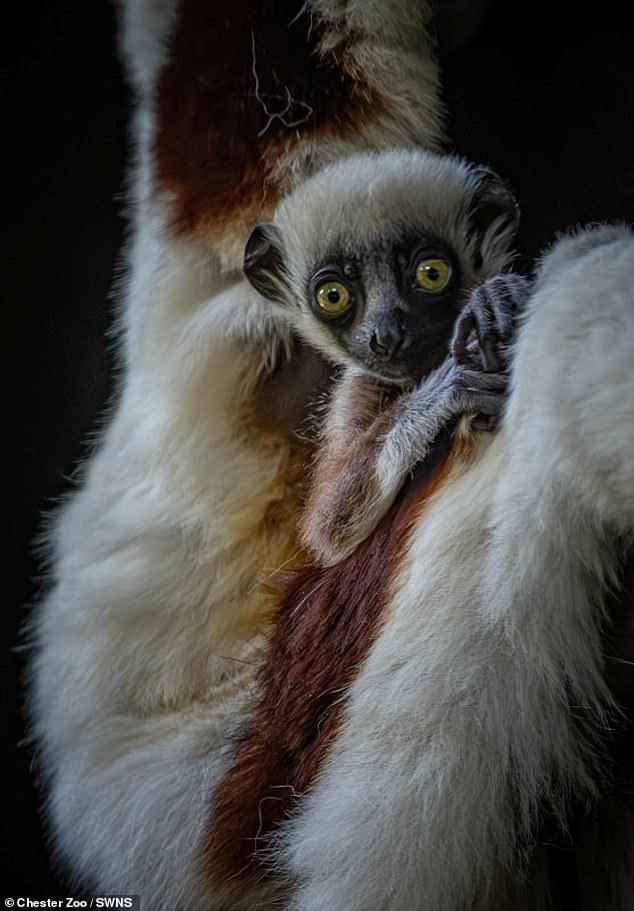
<point>575,357</point>
<point>371,444</point>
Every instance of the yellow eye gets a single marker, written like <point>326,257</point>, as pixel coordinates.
<point>332,297</point>
<point>433,274</point>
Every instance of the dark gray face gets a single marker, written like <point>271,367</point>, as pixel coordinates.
<point>393,308</point>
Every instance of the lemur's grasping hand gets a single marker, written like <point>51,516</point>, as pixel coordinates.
<point>491,315</point>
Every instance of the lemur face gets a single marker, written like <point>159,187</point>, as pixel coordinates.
<point>391,308</point>
<point>372,259</point>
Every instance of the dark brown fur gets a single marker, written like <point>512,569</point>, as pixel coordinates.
<point>286,398</point>
<point>216,147</point>
<point>326,622</point>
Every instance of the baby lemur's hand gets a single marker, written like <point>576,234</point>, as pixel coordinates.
<point>491,315</point>
<point>480,378</point>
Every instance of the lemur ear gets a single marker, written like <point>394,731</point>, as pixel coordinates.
<point>263,262</point>
<point>494,216</point>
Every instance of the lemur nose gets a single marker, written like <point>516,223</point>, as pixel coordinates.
<point>386,341</point>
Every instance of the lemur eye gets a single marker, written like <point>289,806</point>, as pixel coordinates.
<point>332,297</point>
<point>433,274</point>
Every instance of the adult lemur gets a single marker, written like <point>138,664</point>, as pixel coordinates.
<point>148,642</point>
<point>151,632</point>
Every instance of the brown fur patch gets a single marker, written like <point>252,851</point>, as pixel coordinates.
<point>326,622</point>
<point>345,488</point>
<point>216,146</point>
<point>287,397</point>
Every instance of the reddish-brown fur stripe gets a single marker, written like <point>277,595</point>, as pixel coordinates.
<point>285,398</point>
<point>326,622</point>
<point>216,146</point>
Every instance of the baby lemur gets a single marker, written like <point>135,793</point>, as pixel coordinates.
<point>389,266</point>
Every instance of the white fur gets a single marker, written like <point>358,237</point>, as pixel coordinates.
<point>147,28</point>
<point>400,67</point>
<point>459,723</point>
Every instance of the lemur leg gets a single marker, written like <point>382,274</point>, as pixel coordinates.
<point>572,408</point>
<point>371,444</point>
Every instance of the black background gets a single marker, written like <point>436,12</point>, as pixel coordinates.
<point>544,94</point>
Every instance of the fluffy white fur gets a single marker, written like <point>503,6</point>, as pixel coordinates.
<point>459,724</point>
<point>146,643</point>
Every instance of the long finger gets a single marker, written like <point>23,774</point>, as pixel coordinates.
<point>476,381</point>
<point>462,330</point>
<point>488,403</point>
<point>484,320</point>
